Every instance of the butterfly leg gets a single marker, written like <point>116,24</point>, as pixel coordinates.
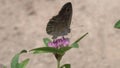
<point>54,37</point>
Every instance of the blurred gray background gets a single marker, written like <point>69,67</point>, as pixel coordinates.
<point>23,24</point>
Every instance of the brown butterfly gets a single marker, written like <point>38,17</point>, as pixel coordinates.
<point>59,25</point>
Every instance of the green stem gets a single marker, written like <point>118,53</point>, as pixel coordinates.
<point>58,64</point>
<point>58,58</point>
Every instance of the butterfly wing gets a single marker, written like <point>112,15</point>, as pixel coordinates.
<point>59,25</point>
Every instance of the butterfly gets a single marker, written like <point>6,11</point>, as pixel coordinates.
<point>59,25</point>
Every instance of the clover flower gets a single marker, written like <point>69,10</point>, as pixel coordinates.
<point>58,43</point>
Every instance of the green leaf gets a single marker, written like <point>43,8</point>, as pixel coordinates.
<point>15,59</point>
<point>75,44</point>
<point>66,66</point>
<point>117,25</point>
<point>46,50</point>
<point>64,49</point>
<point>50,50</point>
<point>14,62</point>
<point>46,41</point>
<point>23,63</point>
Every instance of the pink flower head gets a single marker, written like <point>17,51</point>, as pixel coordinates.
<point>62,42</point>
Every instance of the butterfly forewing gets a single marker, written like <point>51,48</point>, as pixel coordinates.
<point>59,25</point>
